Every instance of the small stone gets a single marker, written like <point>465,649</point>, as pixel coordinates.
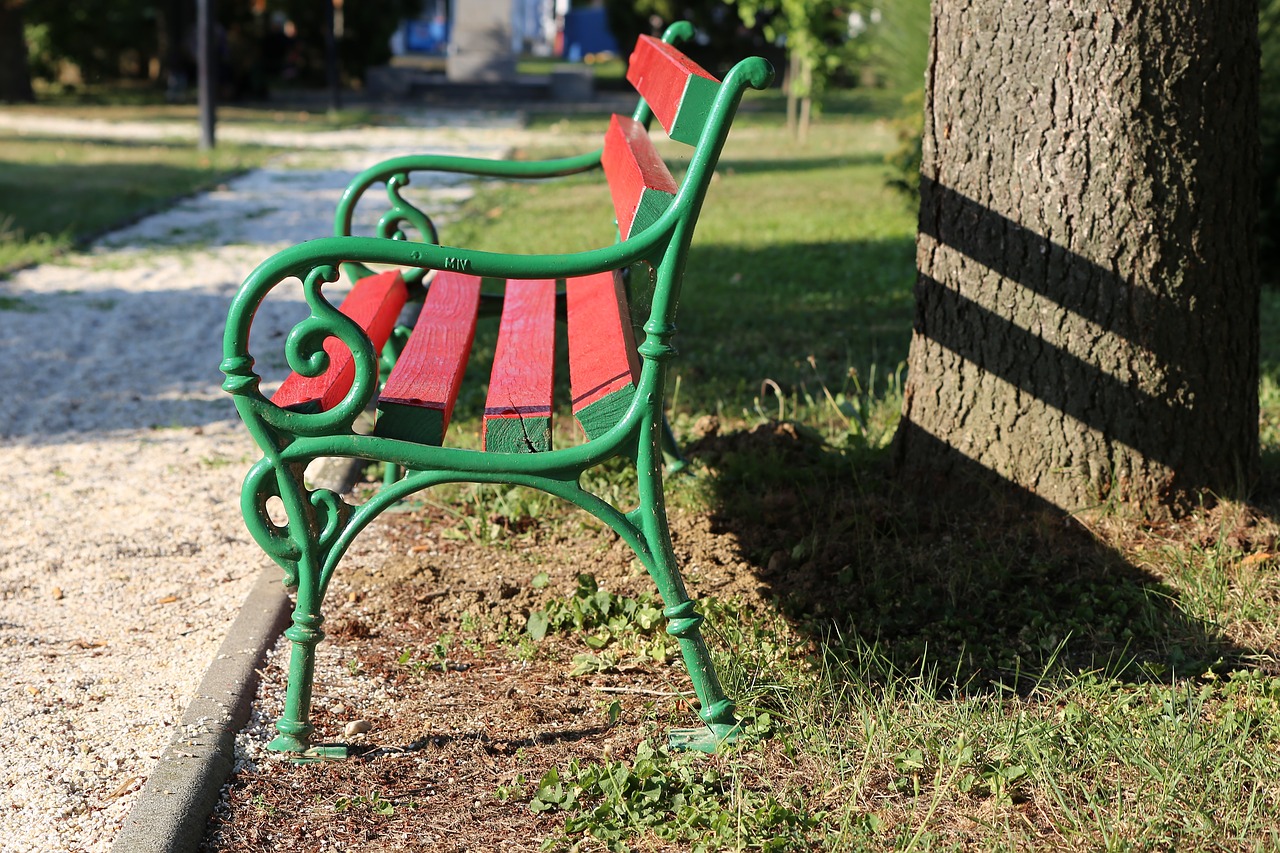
<point>357,727</point>
<point>353,596</point>
<point>56,592</point>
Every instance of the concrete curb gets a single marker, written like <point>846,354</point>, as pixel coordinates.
<point>179,796</point>
<point>173,809</point>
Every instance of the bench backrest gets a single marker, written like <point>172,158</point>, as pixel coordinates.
<point>655,215</point>
<point>682,95</point>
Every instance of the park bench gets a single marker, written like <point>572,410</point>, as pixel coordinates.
<point>358,356</point>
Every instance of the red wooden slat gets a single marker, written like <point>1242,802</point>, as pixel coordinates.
<point>639,182</point>
<point>428,373</point>
<point>602,352</point>
<point>374,303</point>
<point>517,412</point>
<point>677,89</point>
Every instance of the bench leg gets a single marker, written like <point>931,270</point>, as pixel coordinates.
<point>295,727</point>
<point>716,709</point>
<point>684,622</point>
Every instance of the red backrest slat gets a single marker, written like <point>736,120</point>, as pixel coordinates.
<point>640,183</point>
<point>678,90</point>
<point>374,303</point>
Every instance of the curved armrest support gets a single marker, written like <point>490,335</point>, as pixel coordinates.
<point>395,174</point>
<point>401,215</point>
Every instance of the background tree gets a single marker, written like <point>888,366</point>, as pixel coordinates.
<point>1269,230</point>
<point>722,37</point>
<point>1087,299</point>
<point>105,39</point>
<point>15,75</point>
<point>820,38</point>
<point>110,39</point>
<point>365,39</point>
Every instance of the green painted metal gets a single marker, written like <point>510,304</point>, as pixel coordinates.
<point>653,203</point>
<point>321,526</point>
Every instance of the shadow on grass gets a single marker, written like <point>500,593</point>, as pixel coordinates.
<point>946,564</point>
<point>988,589</point>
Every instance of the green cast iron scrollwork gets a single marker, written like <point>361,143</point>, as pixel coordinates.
<point>305,354</point>
<point>261,484</point>
<point>315,518</point>
<point>390,224</point>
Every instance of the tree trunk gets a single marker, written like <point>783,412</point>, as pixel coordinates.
<point>15,74</point>
<point>1087,301</point>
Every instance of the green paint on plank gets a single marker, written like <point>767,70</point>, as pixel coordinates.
<point>699,96</point>
<point>601,416</point>
<point>653,203</point>
<point>529,434</point>
<point>410,423</point>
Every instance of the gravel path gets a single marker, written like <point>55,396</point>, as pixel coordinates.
<point>124,557</point>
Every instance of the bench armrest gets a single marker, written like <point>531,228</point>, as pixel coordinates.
<point>395,175</point>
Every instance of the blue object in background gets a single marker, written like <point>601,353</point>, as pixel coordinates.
<point>587,31</point>
<point>427,36</point>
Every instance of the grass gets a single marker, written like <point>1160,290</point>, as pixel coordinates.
<point>60,192</point>
<point>143,102</point>
<point>917,676</point>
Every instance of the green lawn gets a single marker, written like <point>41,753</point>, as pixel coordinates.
<point>914,675</point>
<point>922,676</point>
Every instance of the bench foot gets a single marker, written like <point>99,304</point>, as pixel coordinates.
<point>704,738</point>
<point>319,752</point>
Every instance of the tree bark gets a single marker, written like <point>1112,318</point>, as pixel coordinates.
<point>1087,300</point>
<point>15,73</point>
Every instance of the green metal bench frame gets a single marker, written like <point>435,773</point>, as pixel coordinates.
<point>321,525</point>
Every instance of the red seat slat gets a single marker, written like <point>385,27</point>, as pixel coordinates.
<point>374,303</point>
<point>417,399</point>
<point>603,363</point>
<point>517,413</point>
<point>640,183</point>
<point>678,90</point>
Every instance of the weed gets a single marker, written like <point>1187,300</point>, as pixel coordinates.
<point>678,799</point>
<point>373,802</point>
<point>263,807</point>
<point>435,659</point>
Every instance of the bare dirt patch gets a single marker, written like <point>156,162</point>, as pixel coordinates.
<point>427,642</point>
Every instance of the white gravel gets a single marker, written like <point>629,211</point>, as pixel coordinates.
<point>123,557</point>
